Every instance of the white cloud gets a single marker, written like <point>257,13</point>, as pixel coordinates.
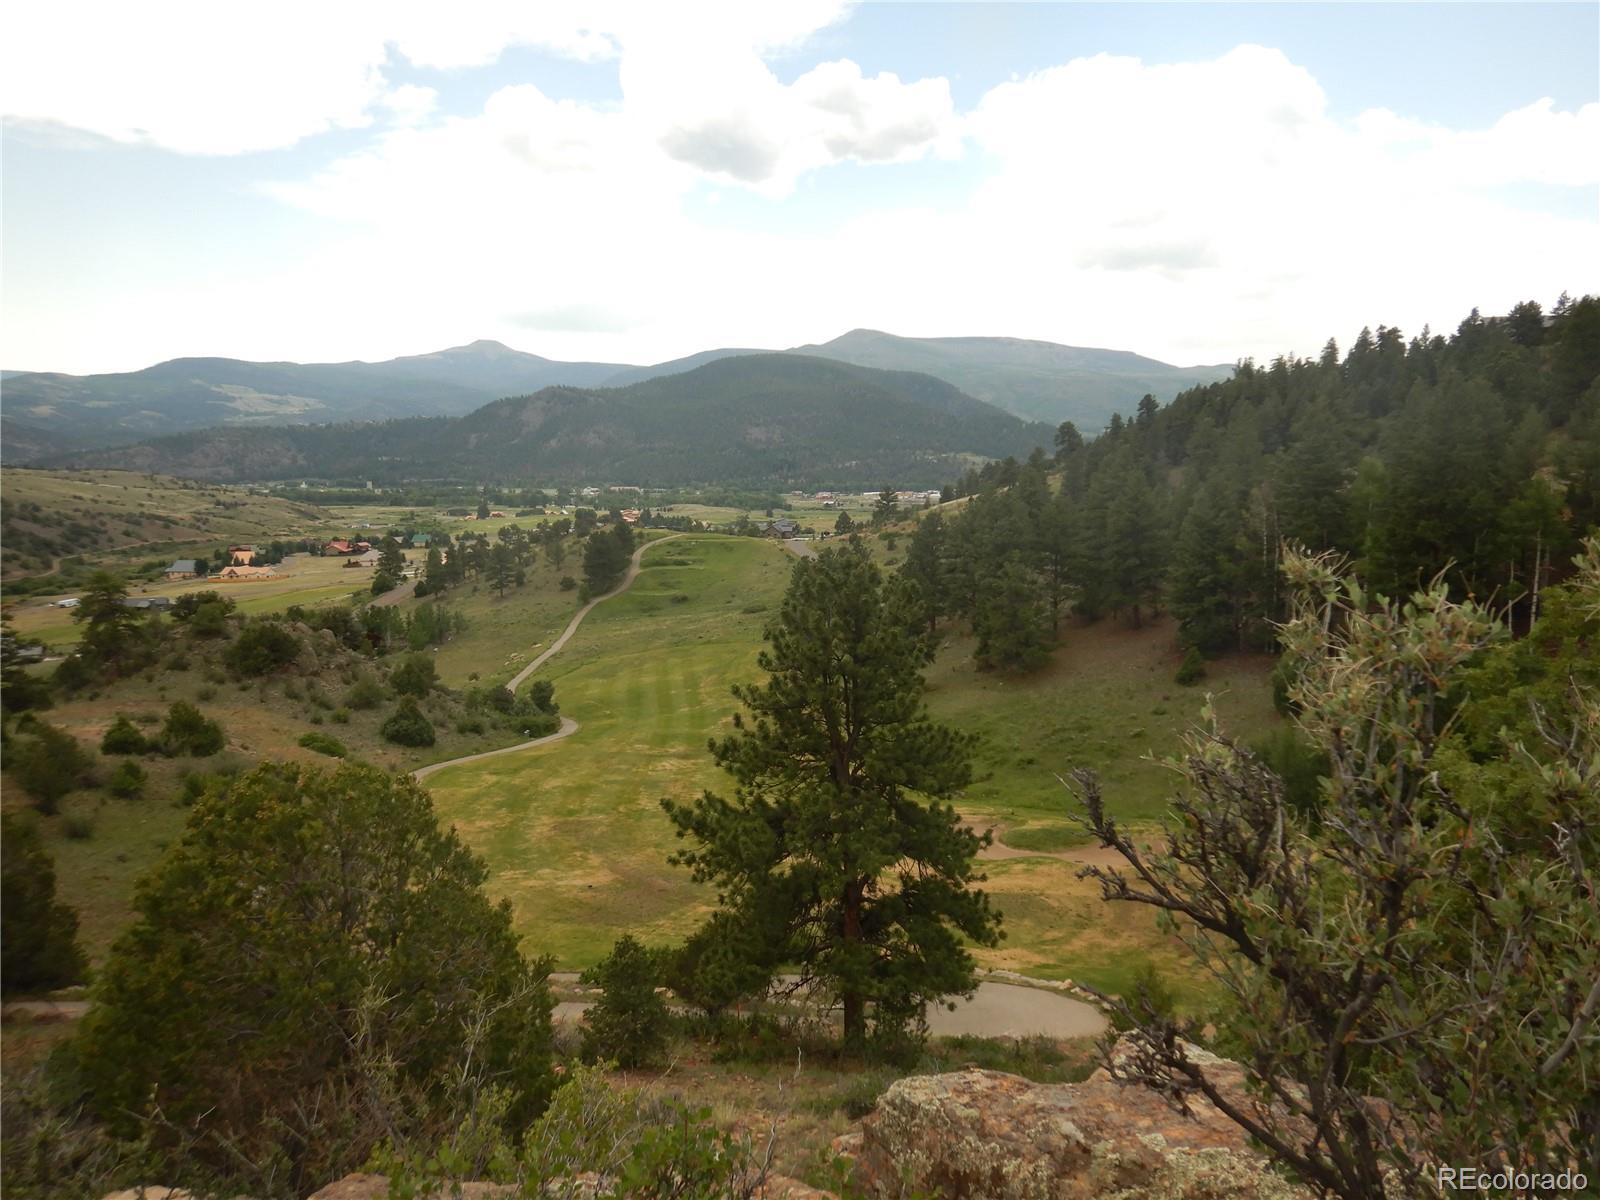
<point>1194,211</point>
<point>200,77</point>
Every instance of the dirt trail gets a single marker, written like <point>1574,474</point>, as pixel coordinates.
<point>568,725</point>
<point>800,548</point>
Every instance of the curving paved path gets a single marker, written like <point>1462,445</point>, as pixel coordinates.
<point>577,617</point>
<point>568,725</point>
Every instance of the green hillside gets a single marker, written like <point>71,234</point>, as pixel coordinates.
<point>768,418</point>
<point>1038,381</point>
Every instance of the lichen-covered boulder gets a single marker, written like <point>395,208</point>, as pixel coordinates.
<point>986,1135</point>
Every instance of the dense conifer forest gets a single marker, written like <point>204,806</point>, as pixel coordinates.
<point>1476,455</point>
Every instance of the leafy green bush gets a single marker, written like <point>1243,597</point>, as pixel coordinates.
<point>340,716</point>
<point>187,731</point>
<point>414,675</point>
<point>629,1024</point>
<point>568,583</point>
<point>407,726</point>
<point>78,827</point>
<point>48,764</point>
<point>128,780</point>
<point>262,646</point>
<point>123,738</point>
<point>323,744</point>
<point>365,693</point>
<point>38,936</point>
<point>1192,670</point>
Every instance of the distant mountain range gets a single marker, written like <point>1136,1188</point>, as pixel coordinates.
<point>45,413</point>
<point>762,419</point>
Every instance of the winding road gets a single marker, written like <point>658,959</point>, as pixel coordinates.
<point>568,725</point>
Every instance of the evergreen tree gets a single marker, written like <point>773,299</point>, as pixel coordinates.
<point>38,934</point>
<point>1068,441</point>
<point>314,968</point>
<point>605,558</point>
<point>110,627</point>
<point>391,558</point>
<point>886,507</point>
<point>48,763</point>
<point>629,1024</point>
<point>925,566</point>
<point>501,569</point>
<point>839,851</point>
<point>1012,627</point>
<point>844,524</point>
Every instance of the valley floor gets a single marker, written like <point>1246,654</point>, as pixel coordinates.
<point>576,839</point>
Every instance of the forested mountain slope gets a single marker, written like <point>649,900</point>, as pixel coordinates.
<point>776,419</point>
<point>1476,455</point>
<point>44,410</point>
<point>1038,381</point>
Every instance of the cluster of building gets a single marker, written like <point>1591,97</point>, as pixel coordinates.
<point>238,569</point>
<point>868,499</point>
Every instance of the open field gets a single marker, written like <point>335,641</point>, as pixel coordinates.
<point>51,514</point>
<point>574,834</point>
<point>303,579</point>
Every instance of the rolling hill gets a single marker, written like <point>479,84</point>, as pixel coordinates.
<point>1038,381</point>
<point>46,413</point>
<point>195,393</point>
<point>762,417</point>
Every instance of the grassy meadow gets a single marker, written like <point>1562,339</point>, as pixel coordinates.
<point>576,840</point>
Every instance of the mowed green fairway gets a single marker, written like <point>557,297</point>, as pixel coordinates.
<point>576,839</point>
<point>574,832</point>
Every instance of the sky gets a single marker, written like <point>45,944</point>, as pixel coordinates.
<point>635,182</point>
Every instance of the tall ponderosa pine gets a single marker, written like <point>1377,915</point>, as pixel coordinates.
<point>839,851</point>
<point>1011,623</point>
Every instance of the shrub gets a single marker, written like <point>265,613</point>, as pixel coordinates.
<point>188,606</point>
<point>123,738</point>
<point>469,725</point>
<point>323,744</point>
<point>1192,670</point>
<point>205,692</point>
<point>187,731</point>
<point>211,619</point>
<point>629,1023</point>
<point>568,583</point>
<point>38,936</point>
<point>77,827</point>
<point>407,726</point>
<point>414,675</point>
<point>340,716</point>
<point>348,963</point>
<point>261,646</point>
<point>48,765</point>
<point>365,693</point>
<point>128,780</point>
<point>710,971</point>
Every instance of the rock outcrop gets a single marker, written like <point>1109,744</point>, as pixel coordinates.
<point>985,1135</point>
<point>362,1186</point>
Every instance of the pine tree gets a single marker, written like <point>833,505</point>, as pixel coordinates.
<point>1013,630</point>
<point>925,566</point>
<point>839,850</point>
<point>886,508</point>
<point>500,569</point>
<point>109,625</point>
